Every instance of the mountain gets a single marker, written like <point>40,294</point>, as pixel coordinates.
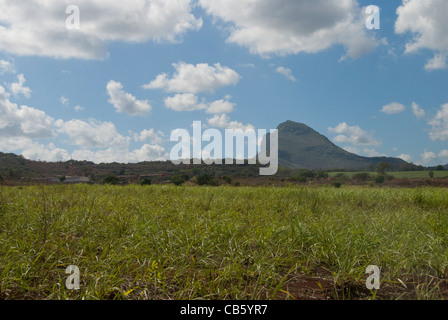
<point>301,147</point>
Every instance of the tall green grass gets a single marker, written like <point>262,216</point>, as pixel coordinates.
<point>167,242</point>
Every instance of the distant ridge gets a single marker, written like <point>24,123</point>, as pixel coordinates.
<point>301,147</point>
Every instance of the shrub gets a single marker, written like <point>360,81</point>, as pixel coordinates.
<point>380,179</point>
<point>145,182</point>
<point>179,179</point>
<point>337,184</point>
<point>431,174</point>
<point>227,179</point>
<point>361,176</point>
<point>111,179</point>
<point>341,176</point>
<point>206,180</point>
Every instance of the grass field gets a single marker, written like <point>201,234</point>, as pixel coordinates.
<point>167,242</point>
<point>402,174</point>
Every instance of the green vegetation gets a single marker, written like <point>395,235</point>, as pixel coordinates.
<point>206,180</point>
<point>179,179</point>
<point>399,175</point>
<point>178,242</point>
<point>111,179</point>
<point>145,182</point>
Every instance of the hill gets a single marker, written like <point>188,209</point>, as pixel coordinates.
<point>301,147</point>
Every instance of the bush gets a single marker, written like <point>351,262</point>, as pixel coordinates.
<point>341,176</point>
<point>337,184</point>
<point>361,176</point>
<point>380,179</point>
<point>206,180</point>
<point>304,175</point>
<point>227,179</point>
<point>111,179</point>
<point>179,179</point>
<point>145,182</point>
<point>431,174</point>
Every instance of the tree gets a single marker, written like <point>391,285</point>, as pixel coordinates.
<point>439,168</point>
<point>382,167</point>
<point>145,182</point>
<point>111,179</point>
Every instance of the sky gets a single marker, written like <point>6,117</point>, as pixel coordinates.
<point>112,85</point>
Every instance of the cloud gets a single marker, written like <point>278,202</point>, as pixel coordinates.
<point>439,123</point>
<point>124,102</point>
<point>223,121</point>
<point>373,153</point>
<point>7,67</point>
<point>37,151</point>
<point>33,150</point>
<point>189,102</point>
<point>287,73</point>
<point>283,27</point>
<point>426,20</point>
<point>184,102</point>
<point>22,121</point>
<point>443,154</point>
<point>122,154</point>
<point>354,135</point>
<point>151,135</point>
<point>39,27</point>
<point>64,101</point>
<point>190,78</point>
<point>78,108</point>
<point>93,134</point>
<point>418,112</point>
<point>405,157</point>
<point>393,108</point>
<point>436,63</point>
<point>19,88</point>
<point>428,157</point>
<point>221,106</point>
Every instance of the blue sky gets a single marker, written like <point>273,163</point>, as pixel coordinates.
<point>114,89</point>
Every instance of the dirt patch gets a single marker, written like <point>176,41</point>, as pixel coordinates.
<point>320,285</point>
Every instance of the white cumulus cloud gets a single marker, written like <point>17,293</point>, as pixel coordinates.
<point>223,121</point>
<point>23,121</point>
<point>439,123</point>
<point>283,27</point>
<point>418,111</point>
<point>393,108</point>
<point>125,102</point>
<point>354,135</point>
<point>190,78</point>
<point>426,21</point>
<point>39,27</point>
<point>287,73</point>
<point>93,134</point>
<point>18,88</point>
